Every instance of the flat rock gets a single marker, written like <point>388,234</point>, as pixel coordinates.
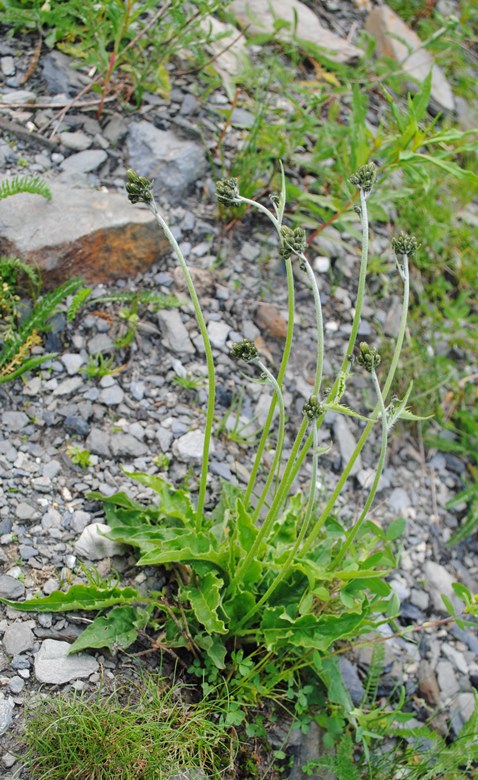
<point>261,16</point>
<point>84,162</point>
<point>11,588</point>
<point>174,163</point>
<point>126,445</point>
<point>6,713</point>
<point>94,546</point>
<point>53,665</point>
<point>98,236</point>
<point>400,43</point>
<point>189,448</point>
<point>270,320</point>
<point>174,332</point>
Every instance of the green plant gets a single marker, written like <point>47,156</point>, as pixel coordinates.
<point>79,456</point>
<point>18,184</point>
<point>129,44</point>
<point>99,365</point>
<point>144,730</point>
<point>267,582</point>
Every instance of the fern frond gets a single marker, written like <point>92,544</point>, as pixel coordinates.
<point>17,184</point>
<point>79,299</point>
<point>374,673</point>
<point>11,266</point>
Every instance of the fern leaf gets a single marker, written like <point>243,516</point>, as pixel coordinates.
<point>32,184</point>
<point>11,266</point>
<point>79,299</point>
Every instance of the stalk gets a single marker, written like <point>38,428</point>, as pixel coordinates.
<point>209,359</point>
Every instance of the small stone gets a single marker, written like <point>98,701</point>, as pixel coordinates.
<point>427,683</point>
<point>419,599</point>
<point>321,264</point>
<point>399,501</point>
<point>111,396</point>
<point>95,547</point>
<point>218,333</point>
<point>54,666</point>
<point>174,332</point>
<point>51,469</point>
<point>72,362</point>
<point>268,318</point>
<point>74,423</point>
<point>438,581</point>
<point>25,512</point>
<point>8,760</point>
<point>6,712</point>
<point>137,390</point>
<point>69,386</point>
<point>77,141</point>
<point>99,442</point>
<point>17,638</point>
<point>11,588</point>
<point>84,162</point>
<point>8,65</point>
<point>16,684</point>
<point>447,679</point>
<point>351,680</point>
<point>126,445</point>
<point>14,421</point>
<point>189,448</point>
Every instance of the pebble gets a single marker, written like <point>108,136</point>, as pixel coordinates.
<point>111,396</point>
<point>6,712</point>
<point>54,666</point>
<point>83,162</point>
<point>77,141</point>
<point>15,421</point>
<point>346,442</point>
<point>438,581</point>
<point>17,638</point>
<point>11,588</point>
<point>446,679</point>
<point>94,546</point>
<point>189,448</point>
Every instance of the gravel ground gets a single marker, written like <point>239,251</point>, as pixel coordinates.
<point>126,419</point>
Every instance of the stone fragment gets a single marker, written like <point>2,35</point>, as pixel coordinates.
<point>69,386</point>
<point>15,421</point>
<point>72,362</point>
<point>202,278</point>
<point>111,396</point>
<point>94,546</point>
<point>447,679</point>
<point>175,164</point>
<point>400,43</point>
<point>189,448</point>
<point>98,442</point>
<point>54,666</point>
<point>98,236</point>
<point>6,712</point>
<point>174,332</point>
<point>346,443</point>
<point>77,141</point>
<point>438,581</point>
<point>17,638</point>
<point>126,445</point>
<point>427,683</point>
<point>399,500</point>
<point>25,511</point>
<point>269,319</point>
<point>461,711</point>
<point>261,17</point>
<point>83,162</point>
<point>59,74</point>
<point>218,333</point>
<point>351,680</point>
<point>11,588</point>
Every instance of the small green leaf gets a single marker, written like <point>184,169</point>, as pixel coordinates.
<point>205,600</point>
<point>119,628</point>
<point>86,597</point>
<point>395,529</point>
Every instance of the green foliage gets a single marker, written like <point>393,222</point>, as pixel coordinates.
<point>143,730</point>
<point>19,184</point>
<point>129,44</point>
<point>79,456</point>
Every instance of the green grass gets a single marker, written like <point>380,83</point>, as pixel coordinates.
<point>141,731</point>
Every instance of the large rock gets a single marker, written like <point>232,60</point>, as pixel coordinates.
<point>174,163</point>
<point>397,41</point>
<point>259,16</point>
<point>98,236</point>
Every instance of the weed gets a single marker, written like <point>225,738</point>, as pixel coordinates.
<point>79,456</point>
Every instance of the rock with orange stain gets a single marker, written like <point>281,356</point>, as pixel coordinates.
<point>270,320</point>
<point>98,236</point>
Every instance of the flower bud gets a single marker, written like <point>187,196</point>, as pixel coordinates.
<point>313,408</point>
<point>403,244</point>
<point>227,191</point>
<point>244,350</point>
<point>139,188</point>
<point>293,241</point>
<point>368,357</point>
<point>365,177</point>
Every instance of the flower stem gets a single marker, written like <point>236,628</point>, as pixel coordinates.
<point>209,360</point>
<point>280,438</point>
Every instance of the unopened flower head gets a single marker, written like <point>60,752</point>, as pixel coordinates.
<point>293,241</point>
<point>139,188</point>
<point>365,177</point>
<point>313,408</point>
<point>244,350</point>
<point>403,244</point>
<point>368,357</point>
<point>227,191</point>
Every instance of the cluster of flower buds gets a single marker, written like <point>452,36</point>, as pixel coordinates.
<point>365,177</point>
<point>368,357</point>
<point>293,241</point>
<point>244,350</point>
<point>313,408</point>
<point>227,191</point>
<point>403,244</point>
<point>139,188</point>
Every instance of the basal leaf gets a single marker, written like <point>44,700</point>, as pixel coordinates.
<point>214,648</point>
<point>188,546</point>
<point>174,503</point>
<point>307,631</point>
<point>119,628</point>
<point>86,597</point>
<point>205,599</point>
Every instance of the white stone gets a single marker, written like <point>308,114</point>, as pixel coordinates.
<point>189,448</point>
<point>218,333</point>
<point>94,546</point>
<point>54,666</point>
<point>438,581</point>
